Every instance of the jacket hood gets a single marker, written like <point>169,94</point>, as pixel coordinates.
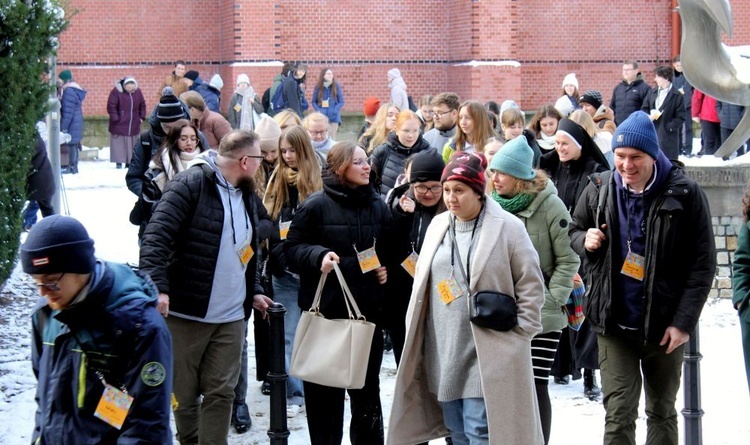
<point>549,189</point>
<point>217,82</point>
<point>73,86</point>
<point>120,84</point>
<point>397,82</point>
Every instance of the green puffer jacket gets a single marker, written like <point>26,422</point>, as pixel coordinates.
<point>546,220</point>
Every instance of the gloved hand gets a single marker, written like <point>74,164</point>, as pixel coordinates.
<point>65,137</point>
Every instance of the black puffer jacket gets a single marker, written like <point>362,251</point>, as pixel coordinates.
<point>336,219</point>
<point>40,183</point>
<point>680,255</point>
<point>627,98</point>
<point>388,160</point>
<point>181,243</point>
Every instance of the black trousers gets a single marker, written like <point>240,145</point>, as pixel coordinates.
<point>725,133</point>
<point>710,137</point>
<point>576,350</point>
<point>325,406</point>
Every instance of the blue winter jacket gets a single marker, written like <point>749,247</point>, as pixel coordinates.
<point>71,112</point>
<point>209,95</point>
<point>115,332</point>
<point>333,110</point>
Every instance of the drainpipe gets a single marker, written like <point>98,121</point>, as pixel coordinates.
<point>676,30</point>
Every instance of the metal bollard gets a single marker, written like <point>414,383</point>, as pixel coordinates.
<point>692,383</point>
<point>278,431</point>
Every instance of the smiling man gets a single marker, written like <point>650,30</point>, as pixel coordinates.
<point>645,230</point>
<point>101,352</point>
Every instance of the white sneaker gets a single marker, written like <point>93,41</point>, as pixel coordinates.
<point>293,410</point>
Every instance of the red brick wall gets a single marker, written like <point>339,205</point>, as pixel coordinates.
<point>427,39</point>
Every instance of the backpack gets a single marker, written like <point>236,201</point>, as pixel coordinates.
<point>266,101</point>
<point>277,100</point>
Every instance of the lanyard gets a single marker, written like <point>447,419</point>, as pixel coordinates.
<point>454,248</point>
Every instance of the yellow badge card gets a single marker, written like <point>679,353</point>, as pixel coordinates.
<point>449,290</point>
<point>410,263</point>
<point>368,260</point>
<point>113,406</point>
<point>284,229</point>
<point>246,253</point>
<point>324,104</point>
<point>237,107</point>
<point>634,266</point>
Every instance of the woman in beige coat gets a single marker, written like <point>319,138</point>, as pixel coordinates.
<point>456,378</point>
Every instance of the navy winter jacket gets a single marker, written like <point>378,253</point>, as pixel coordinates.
<point>71,112</point>
<point>117,332</point>
<point>333,110</point>
<point>627,98</point>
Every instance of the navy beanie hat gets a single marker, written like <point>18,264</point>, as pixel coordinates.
<point>637,131</point>
<point>192,75</point>
<point>426,166</point>
<point>515,158</point>
<point>58,244</point>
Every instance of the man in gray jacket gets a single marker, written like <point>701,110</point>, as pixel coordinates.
<point>445,115</point>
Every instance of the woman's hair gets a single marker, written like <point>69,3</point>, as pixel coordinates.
<point>170,144</point>
<point>308,177</point>
<point>377,133</point>
<point>512,116</point>
<point>544,112</point>
<point>321,87</point>
<point>339,159</point>
<point>405,116</point>
<point>585,120</point>
<point>746,203</point>
<point>532,186</point>
<point>482,128</point>
<point>576,95</point>
<point>492,107</point>
<point>425,100</point>
<point>287,118</point>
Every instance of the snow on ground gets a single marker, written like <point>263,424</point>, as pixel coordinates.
<point>99,199</point>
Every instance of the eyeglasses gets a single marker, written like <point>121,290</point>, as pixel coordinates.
<point>361,161</point>
<point>251,157</point>
<point>440,114</point>
<point>435,189</point>
<point>54,287</point>
<point>318,133</point>
<point>188,138</point>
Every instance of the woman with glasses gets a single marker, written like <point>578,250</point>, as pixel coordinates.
<point>455,377</point>
<point>413,205</point>
<point>472,132</point>
<point>388,160</point>
<point>345,223</point>
<point>295,178</point>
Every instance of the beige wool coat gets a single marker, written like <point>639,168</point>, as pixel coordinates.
<point>504,261</point>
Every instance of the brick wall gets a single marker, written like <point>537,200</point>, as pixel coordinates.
<point>361,41</point>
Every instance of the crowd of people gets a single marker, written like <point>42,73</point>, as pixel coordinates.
<point>437,203</point>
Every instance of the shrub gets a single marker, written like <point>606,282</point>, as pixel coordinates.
<point>28,36</point>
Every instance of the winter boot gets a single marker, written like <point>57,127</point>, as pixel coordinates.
<point>590,388</point>
<point>241,420</point>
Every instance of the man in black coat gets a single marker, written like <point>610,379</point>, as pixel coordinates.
<point>628,95</point>
<point>200,249</point>
<point>665,106</point>
<point>40,186</point>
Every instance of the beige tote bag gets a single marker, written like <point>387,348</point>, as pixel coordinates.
<point>332,352</point>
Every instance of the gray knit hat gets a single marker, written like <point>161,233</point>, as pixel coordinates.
<point>637,131</point>
<point>515,158</point>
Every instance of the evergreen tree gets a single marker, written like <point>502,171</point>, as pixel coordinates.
<point>28,38</point>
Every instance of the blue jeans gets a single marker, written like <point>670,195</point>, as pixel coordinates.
<point>467,421</point>
<point>285,290</point>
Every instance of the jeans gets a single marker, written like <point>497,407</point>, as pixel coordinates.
<point>285,291</point>
<point>467,421</point>
<point>206,363</point>
<point>622,361</point>
<point>30,213</point>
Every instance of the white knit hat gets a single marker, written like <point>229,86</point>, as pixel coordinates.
<point>570,79</point>
<point>242,78</point>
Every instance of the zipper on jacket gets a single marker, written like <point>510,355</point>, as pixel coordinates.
<point>130,123</point>
<point>82,380</point>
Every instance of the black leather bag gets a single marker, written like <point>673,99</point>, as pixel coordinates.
<point>493,310</point>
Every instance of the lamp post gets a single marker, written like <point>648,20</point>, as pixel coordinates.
<point>692,383</point>
<point>278,431</point>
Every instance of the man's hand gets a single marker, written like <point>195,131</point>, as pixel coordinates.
<point>162,304</point>
<point>674,337</point>
<point>595,238</point>
<point>382,274</point>
<point>261,303</point>
<point>328,260</point>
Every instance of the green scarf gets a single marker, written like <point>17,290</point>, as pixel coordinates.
<point>514,204</point>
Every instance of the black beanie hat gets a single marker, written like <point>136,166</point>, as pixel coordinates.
<point>169,109</point>
<point>58,244</point>
<point>192,75</point>
<point>592,97</point>
<point>426,166</point>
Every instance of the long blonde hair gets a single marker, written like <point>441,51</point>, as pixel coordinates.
<point>377,133</point>
<point>307,177</point>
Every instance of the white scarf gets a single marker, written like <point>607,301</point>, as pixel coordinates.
<point>546,142</point>
<point>169,172</point>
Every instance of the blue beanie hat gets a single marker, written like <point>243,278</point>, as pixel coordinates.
<point>515,158</point>
<point>58,244</point>
<point>637,131</point>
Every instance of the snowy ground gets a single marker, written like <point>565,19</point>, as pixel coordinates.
<point>98,198</point>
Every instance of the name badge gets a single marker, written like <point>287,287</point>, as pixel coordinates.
<point>368,260</point>
<point>113,407</point>
<point>449,290</point>
<point>634,266</point>
<point>410,263</point>
<point>284,229</point>
<point>245,252</point>
<point>237,107</point>
<point>324,104</point>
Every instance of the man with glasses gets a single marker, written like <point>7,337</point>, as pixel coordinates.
<point>200,248</point>
<point>316,124</point>
<point>101,352</point>
<point>628,95</point>
<point>445,116</point>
